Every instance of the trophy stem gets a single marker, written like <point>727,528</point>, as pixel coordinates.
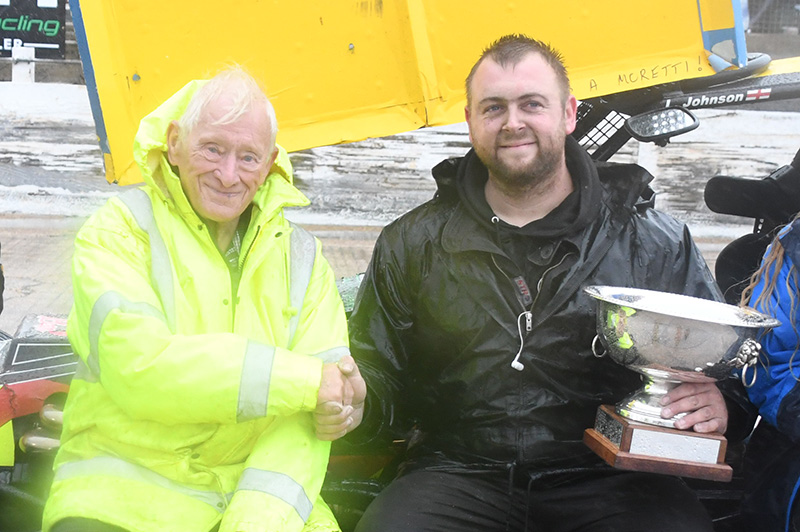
<point>644,405</point>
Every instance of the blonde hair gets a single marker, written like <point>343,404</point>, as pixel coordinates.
<point>767,274</point>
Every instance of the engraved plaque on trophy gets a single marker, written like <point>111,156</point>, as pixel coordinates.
<point>669,339</point>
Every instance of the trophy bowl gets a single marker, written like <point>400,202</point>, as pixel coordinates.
<point>670,339</point>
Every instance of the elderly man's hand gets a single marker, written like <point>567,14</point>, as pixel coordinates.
<point>704,404</point>
<point>340,403</point>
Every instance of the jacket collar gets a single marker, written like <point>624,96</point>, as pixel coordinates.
<point>463,232</point>
<point>466,229</point>
<point>624,190</point>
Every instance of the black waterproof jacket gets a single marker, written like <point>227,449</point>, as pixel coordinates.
<point>437,324</point>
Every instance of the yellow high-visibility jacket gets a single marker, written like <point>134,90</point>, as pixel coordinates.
<point>192,405</point>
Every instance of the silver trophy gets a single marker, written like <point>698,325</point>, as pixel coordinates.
<point>670,339</point>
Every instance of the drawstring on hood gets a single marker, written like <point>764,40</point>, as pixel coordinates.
<point>496,221</point>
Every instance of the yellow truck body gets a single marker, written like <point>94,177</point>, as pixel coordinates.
<point>346,70</point>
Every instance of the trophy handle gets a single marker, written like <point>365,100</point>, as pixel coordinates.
<point>744,376</point>
<point>595,343</point>
<point>746,357</point>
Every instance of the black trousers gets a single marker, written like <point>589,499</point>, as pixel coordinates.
<point>772,476</point>
<point>605,500</point>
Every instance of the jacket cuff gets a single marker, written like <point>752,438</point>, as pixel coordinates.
<point>295,381</point>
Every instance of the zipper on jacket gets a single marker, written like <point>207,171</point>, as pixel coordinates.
<point>544,274</point>
<point>243,256</point>
<point>527,313</point>
<point>539,284</point>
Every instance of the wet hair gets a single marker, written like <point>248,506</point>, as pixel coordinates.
<point>768,274</point>
<point>511,49</point>
<point>244,93</point>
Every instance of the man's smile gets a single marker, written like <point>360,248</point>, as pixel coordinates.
<point>215,191</point>
<point>515,142</point>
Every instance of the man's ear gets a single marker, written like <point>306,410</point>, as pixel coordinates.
<point>272,158</point>
<point>466,117</point>
<point>173,141</point>
<point>268,165</point>
<point>570,114</point>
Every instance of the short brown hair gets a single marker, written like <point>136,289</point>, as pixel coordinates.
<point>513,48</point>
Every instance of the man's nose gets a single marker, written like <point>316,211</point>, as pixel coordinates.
<point>513,119</point>
<point>226,170</point>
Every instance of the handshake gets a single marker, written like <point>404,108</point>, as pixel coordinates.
<point>340,402</point>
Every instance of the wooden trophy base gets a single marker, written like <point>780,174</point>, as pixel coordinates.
<point>626,444</point>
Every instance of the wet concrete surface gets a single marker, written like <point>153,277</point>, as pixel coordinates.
<point>51,179</point>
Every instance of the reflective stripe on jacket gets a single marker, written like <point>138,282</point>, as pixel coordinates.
<point>193,403</point>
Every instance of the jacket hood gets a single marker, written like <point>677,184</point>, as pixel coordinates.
<point>150,154</point>
<point>621,187</point>
<point>574,213</point>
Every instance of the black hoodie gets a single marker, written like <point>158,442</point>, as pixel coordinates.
<point>436,322</point>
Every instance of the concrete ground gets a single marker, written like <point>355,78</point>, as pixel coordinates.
<point>36,254</point>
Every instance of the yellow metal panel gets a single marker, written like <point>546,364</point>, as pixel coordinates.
<point>346,70</point>
<point>788,65</point>
<point>609,46</point>
<point>345,65</point>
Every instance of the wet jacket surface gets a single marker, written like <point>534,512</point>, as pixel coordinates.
<point>773,453</point>
<point>438,320</point>
<point>192,404</point>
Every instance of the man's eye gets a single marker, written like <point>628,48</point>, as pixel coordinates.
<point>493,109</point>
<point>213,152</point>
<point>249,163</point>
<point>533,105</point>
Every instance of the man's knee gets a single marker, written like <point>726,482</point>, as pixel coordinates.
<point>428,500</point>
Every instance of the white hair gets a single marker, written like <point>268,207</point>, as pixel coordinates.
<point>244,93</point>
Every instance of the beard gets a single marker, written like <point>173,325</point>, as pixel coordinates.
<point>523,175</point>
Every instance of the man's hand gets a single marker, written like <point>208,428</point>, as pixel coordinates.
<point>340,402</point>
<point>704,404</point>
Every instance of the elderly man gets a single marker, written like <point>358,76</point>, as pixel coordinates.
<point>471,324</point>
<point>213,345</point>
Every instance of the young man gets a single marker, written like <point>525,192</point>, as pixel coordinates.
<point>209,330</point>
<point>472,326</point>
